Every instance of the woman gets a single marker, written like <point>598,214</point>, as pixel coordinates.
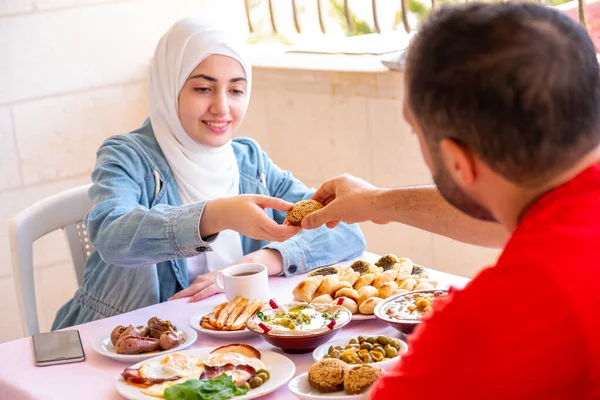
<point>178,198</point>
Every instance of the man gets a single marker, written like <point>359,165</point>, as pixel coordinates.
<point>505,101</point>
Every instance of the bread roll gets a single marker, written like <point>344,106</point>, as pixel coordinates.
<point>387,276</point>
<point>322,299</point>
<point>305,289</point>
<point>368,306</point>
<point>351,276</point>
<point>339,286</point>
<point>365,289</point>
<point>404,266</point>
<point>367,292</point>
<point>347,303</point>
<point>386,289</point>
<point>364,280</point>
<point>409,284</point>
<point>347,292</point>
<point>326,286</point>
<point>424,286</point>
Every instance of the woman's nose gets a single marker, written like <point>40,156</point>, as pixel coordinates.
<point>219,104</point>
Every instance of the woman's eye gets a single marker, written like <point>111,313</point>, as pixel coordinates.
<point>201,89</point>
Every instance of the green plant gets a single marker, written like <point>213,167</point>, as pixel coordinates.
<point>361,27</point>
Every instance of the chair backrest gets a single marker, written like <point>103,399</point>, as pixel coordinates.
<point>65,211</point>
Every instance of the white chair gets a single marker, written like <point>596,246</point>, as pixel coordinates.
<point>65,211</point>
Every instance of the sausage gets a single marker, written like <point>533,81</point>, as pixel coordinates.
<point>157,326</point>
<point>129,344</point>
<point>116,334</point>
<point>170,339</point>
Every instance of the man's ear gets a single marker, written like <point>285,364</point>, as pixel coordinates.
<point>459,162</point>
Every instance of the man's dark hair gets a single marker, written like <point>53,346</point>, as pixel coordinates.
<point>518,84</point>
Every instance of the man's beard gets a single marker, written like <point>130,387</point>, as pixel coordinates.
<point>455,195</point>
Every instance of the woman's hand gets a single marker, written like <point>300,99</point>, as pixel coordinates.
<point>204,286</point>
<point>245,214</point>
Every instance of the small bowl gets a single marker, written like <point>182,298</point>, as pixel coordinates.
<point>322,351</point>
<point>299,341</point>
<point>405,326</point>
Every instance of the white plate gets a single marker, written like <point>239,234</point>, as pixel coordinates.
<point>195,323</point>
<point>301,389</point>
<point>362,317</point>
<point>320,352</point>
<point>282,369</point>
<point>104,346</point>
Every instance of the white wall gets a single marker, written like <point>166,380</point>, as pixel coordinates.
<point>72,73</point>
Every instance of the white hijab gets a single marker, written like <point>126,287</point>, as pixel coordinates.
<point>202,172</point>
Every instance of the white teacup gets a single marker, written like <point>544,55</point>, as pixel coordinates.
<point>247,280</point>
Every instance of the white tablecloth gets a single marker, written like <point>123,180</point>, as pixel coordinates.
<point>96,377</point>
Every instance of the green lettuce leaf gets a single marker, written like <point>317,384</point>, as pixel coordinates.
<point>220,388</point>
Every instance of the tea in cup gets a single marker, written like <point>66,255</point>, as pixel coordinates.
<point>247,280</point>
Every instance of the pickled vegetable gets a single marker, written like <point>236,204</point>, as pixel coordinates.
<point>255,382</point>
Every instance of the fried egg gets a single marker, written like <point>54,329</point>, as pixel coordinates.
<point>217,359</point>
<point>158,390</point>
<point>172,365</point>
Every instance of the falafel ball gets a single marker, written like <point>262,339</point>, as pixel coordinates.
<point>358,379</point>
<point>387,262</point>
<point>301,209</point>
<point>362,267</point>
<point>327,375</point>
<point>331,270</point>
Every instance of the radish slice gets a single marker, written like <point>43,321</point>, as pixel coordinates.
<point>331,324</point>
<point>273,304</point>
<point>265,328</point>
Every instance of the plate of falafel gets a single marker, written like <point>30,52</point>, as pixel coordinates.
<point>331,378</point>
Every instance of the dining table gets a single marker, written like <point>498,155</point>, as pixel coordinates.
<point>96,377</point>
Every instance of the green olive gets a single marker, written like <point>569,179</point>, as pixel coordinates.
<point>367,346</point>
<point>362,353</point>
<point>353,341</point>
<point>247,386</point>
<point>262,376</point>
<point>372,340</point>
<point>383,340</point>
<point>353,346</point>
<point>378,345</point>
<point>335,354</point>
<point>390,351</point>
<point>367,359</point>
<point>376,355</point>
<point>349,357</point>
<point>330,350</point>
<point>361,339</point>
<point>395,343</point>
<point>340,348</point>
<point>264,371</point>
<point>255,382</point>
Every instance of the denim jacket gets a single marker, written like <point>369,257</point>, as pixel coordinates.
<point>142,235</point>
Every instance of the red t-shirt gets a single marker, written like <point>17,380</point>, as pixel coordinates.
<point>528,328</point>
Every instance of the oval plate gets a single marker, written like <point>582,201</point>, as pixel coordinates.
<point>226,335</point>
<point>300,388</point>
<point>282,369</point>
<point>320,352</point>
<point>104,346</point>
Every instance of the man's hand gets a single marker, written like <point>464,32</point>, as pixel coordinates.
<point>246,214</point>
<point>346,199</point>
<point>204,286</point>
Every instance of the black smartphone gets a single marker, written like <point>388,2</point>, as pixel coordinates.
<point>59,347</point>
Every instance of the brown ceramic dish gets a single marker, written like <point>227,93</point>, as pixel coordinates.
<point>404,325</point>
<point>307,333</point>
